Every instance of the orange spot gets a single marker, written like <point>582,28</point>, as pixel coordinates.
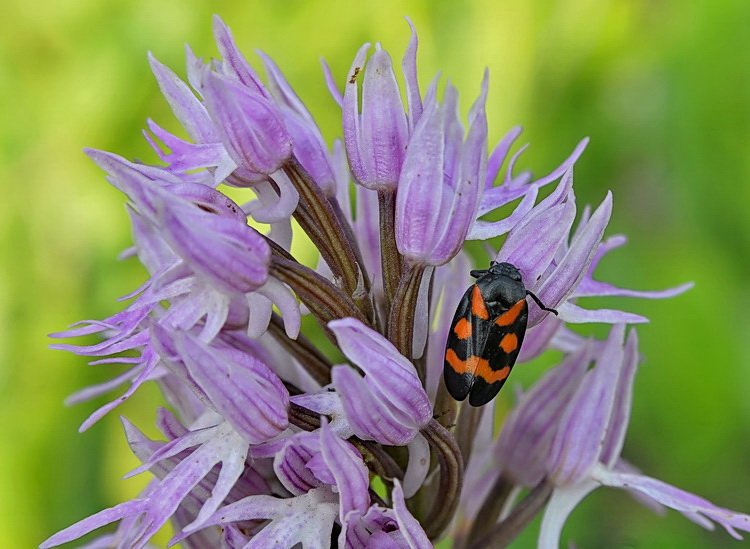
<point>480,367</point>
<point>478,307</point>
<point>510,316</point>
<point>463,329</point>
<point>509,343</point>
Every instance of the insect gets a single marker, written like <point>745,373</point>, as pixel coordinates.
<point>486,334</point>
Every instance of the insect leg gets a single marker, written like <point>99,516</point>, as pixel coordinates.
<point>541,305</point>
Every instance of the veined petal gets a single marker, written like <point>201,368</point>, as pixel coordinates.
<point>388,374</point>
<point>348,471</point>
<point>226,251</point>
<point>574,314</point>
<point>531,245</point>
<point>579,440</point>
<point>675,498</point>
<point>369,417</point>
<point>250,125</point>
<point>408,526</point>
<point>620,418</point>
<point>290,464</point>
<point>233,62</point>
<point>384,130</point>
<point>185,105</point>
<point>244,390</point>
<point>419,201</point>
<point>525,441</point>
<point>574,265</point>
<point>351,122</point>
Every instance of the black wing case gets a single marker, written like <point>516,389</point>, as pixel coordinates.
<point>499,353</point>
<point>465,344</point>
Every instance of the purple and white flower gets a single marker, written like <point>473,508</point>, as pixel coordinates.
<point>280,439</point>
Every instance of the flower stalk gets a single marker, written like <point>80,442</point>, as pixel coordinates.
<point>319,220</point>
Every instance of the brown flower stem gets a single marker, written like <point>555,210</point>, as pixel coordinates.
<point>493,504</point>
<point>466,427</point>
<point>319,220</point>
<point>451,478</point>
<point>502,534</point>
<point>390,260</point>
<point>325,301</point>
<point>401,320</point>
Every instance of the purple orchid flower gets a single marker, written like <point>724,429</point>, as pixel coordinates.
<point>280,440</point>
<point>376,139</point>
<point>442,179</point>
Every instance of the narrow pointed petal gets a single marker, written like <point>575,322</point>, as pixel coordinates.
<point>620,418</point>
<point>331,83</point>
<point>409,68</point>
<point>348,470</point>
<point>407,524</point>
<point>484,230</point>
<point>589,287</point>
<point>532,244</point>
<point>185,105</point>
<point>574,314</point>
<point>89,524</point>
<point>233,62</point>
<point>677,499</point>
<point>526,438</point>
<point>499,154</point>
<point>571,270</point>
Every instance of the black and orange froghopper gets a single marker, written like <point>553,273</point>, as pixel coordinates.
<point>486,334</point>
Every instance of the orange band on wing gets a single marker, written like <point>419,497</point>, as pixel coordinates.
<point>480,367</point>
<point>510,316</point>
<point>463,329</point>
<point>478,307</point>
<point>509,343</point>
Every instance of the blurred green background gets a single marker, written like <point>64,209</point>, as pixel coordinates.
<point>661,87</point>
